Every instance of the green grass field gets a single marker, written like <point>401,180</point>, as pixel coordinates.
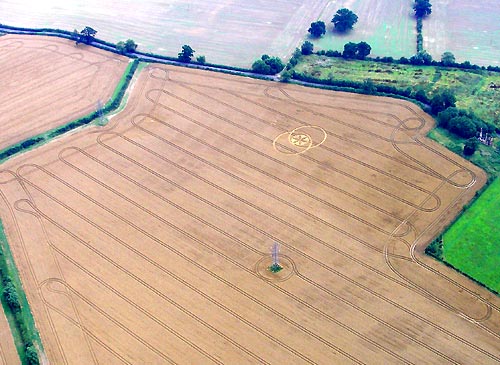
<point>472,245</point>
<point>470,87</point>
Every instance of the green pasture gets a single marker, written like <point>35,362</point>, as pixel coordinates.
<point>472,244</point>
<point>471,87</point>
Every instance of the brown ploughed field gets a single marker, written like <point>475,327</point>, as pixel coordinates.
<point>148,241</point>
<point>48,81</point>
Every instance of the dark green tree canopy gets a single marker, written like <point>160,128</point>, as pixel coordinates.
<point>126,47</point>
<point>201,59</point>
<point>364,50</point>
<point>422,8</point>
<point>448,59</point>
<point>356,50</point>
<point>307,48</point>
<point>317,29</point>
<point>350,50</point>
<point>443,100</point>
<point>186,54</point>
<point>344,20</point>
<point>87,35</point>
<point>470,146</point>
<point>421,58</point>
<point>268,65</point>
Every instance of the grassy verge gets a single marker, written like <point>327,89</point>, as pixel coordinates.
<point>47,136</point>
<point>21,322</point>
<point>471,87</point>
<point>471,244</point>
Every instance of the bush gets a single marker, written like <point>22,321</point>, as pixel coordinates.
<point>268,65</point>
<point>10,296</point>
<point>470,146</point>
<point>307,48</point>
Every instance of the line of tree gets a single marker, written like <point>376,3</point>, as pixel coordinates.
<point>11,298</point>
<point>129,46</point>
<point>86,35</point>
<point>268,65</point>
<point>422,8</point>
<point>356,50</point>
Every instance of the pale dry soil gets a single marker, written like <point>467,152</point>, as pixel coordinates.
<point>48,82</point>
<point>148,241</point>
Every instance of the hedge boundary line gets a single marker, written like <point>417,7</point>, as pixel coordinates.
<point>111,47</point>
<point>358,88</point>
<point>17,311</point>
<point>45,137</point>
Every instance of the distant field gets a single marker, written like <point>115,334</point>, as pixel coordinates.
<point>73,79</point>
<point>471,88</point>
<point>472,243</point>
<point>225,31</point>
<point>387,25</point>
<point>467,28</point>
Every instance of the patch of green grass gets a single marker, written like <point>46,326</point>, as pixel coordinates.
<point>471,87</point>
<point>472,243</point>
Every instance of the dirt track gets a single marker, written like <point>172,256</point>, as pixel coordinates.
<point>48,81</point>
<point>149,241</point>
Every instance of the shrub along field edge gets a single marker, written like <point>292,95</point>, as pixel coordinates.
<point>16,307</point>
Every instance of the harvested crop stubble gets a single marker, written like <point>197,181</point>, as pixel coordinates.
<point>155,232</point>
<point>48,81</point>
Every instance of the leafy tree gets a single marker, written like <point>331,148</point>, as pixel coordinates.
<point>443,100</point>
<point>422,8</point>
<point>261,67</point>
<point>462,126</point>
<point>11,297</point>
<point>32,355</point>
<point>275,64</point>
<point>317,29</point>
<point>268,65</point>
<point>447,59</point>
<point>364,50</point>
<point>201,59</point>
<point>356,50</point>
<point>307,48</point>
<point>87,35</point>
<point>186,54</point>
<point>350,50</point>
<point>446,115</point>
<point>344,20</point>
<point>470,146</point>
<point>421,96</point>
<point>130,46</point>
<point>126,47</point>
<point>286,76</point>
<point>421,58</point>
